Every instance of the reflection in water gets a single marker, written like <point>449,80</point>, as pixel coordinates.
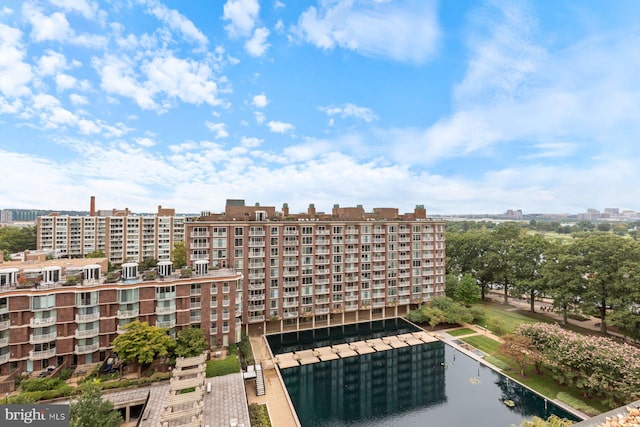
<point>424,385</point>
<point>370,386</point>
<point>325,337</point>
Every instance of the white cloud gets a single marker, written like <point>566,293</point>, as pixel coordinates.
<point>250,142</point>
<point>243,15</point>
<point>260,101</point>
<point>176,21</point>
<point>88,9</point>
<point>188,80</point>
<point>53,27</point>
<point>78,99</point>
<point>65,82</point>
<point>257,45</point>
<point>407,32</point>
<point>260,117</point>
<point>351,110</point>
<point>279,127</point>
<point>145,142</point>
<point>220,129</point>
<point>51,63</point>
<point>118,77</point>
<point>14,73</point>
<point>279,27</point>
<point>278,4</point>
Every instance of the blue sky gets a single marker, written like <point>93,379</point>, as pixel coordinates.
<point>462,106</point>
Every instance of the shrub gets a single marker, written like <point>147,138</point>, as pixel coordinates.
<point>577,404</point>
<point>41,384</point>
<point>258,415</point>
<point>65,374</point>
<point>496,325</point>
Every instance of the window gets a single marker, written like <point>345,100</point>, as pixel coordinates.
<point>239,231</point>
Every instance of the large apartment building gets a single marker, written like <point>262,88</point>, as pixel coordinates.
<point>69,311</point>
<point>122,236</point>
<point>314,269</point>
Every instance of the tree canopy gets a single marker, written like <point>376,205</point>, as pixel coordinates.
<point>142,343</point>
<point>17,239</point>
<point>179,255</point>
<point>190,342</point>
<point>92,410</point>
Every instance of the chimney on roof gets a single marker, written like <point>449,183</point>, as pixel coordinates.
<point>312,210</point>
<point>285,209</point>
<point>92,206</point>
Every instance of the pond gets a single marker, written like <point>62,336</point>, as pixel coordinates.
<point>427,384</point>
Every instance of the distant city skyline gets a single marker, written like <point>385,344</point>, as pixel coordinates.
<point>466,106</point>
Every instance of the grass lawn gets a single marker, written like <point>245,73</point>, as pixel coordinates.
<point>508,319</point>
<point>543,384</point>
<point>228,365</point>
<point>459,332</point>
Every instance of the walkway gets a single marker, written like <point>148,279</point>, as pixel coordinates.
<point>276,398</point>
<point>593,323</point>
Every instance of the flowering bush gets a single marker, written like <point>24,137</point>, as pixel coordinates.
<point>598,366</point>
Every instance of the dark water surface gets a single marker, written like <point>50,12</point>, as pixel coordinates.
<point>425,385</point>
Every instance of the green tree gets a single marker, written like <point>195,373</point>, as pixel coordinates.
<point>467,290</point>
<point>564,278</point>
<point>179,255</point>
<point>148,263</point>
<point>142,343</point>
<point>529,257</point>
<point>499,256</point>
<point>190,342</point>
<point>92,410</point>
<point>607,260</point>
<point>17,239</point>
<point>95,254</point>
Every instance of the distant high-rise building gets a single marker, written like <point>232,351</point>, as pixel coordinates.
<point>122,237</point>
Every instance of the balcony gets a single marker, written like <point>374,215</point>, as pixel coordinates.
<point>322,252</point>
<point>255,264</point>
<point>378,304</point>
<point>291,252</point>
<point>163,296</point>
<point>84,318</point>
<point>5,325</point>
<point>42,354</point>
<point>256,276</point>
<point>256,297</point>
<point>4,358</point>
<point>199,246</point>
<point>322,291</point>
<point>127,314</point>
<point>290,315</point>
<point>291,294</point>
<point>166,309</point>
<point>256,286</point>
<point>199,234</point>
<point>290,304</point>
<point>166,323</point>
<point>256,254</point>
<point>4,342</point>
<point>4,309</point>
<point>253,319</point>
<point>195,319</point>
<point>288,273</point>
<point>42,338</point>
<point>258,307</point>
<point>36,322</point>
<point>86,349</point>
<point>87,333</point>
<point>321,311</point>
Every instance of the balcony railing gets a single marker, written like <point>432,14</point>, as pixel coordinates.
<point>87,333</point>
<point>322,311</point>
<point>127,314</point>
<point>290,315</point>
<point>41,338</point>
<point>83,318</point>
<point>256,297</point>
<point>166,323</point>
<point>259,307</point>
<point>42,354</point>
<point>36,322</point>
<point>253,319</point>
<point>4,358</point>
<point>5,325</point>
<point>256,286</point>
<point>89,348</point>
<point>4,342</point>
<point>162,309</point>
